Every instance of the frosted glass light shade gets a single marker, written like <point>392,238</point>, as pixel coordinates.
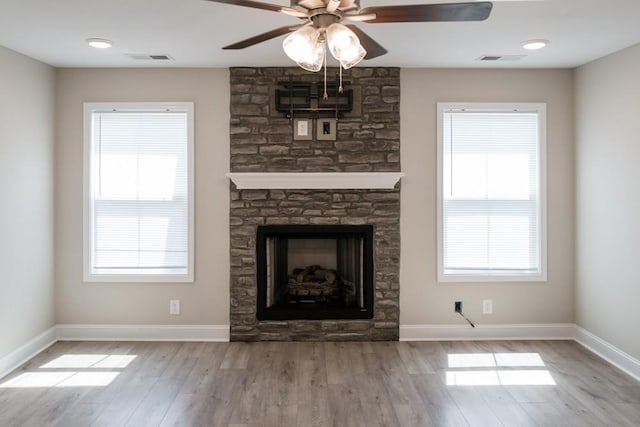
<point>344,45</point>
<point>359,56</point>
<point>314,58</point>
<point>301,44</point>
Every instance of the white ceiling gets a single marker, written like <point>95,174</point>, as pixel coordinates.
<point>192,32</point>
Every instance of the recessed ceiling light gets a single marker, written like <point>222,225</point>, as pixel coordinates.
<point>100,43</point>
<point>535,44</point>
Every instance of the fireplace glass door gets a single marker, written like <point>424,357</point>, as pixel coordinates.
<point>315,272</point>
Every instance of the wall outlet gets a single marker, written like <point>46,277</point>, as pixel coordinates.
<point>487,306</point>
<point>174,306</point>
<point>457,306</point>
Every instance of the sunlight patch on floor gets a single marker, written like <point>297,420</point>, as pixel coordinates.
<point>80,361</point>
<point>73,370</point>
<point>489,378</point>
<point>487,360</point>
<point>460,375</point>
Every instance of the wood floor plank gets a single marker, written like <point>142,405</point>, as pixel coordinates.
<point>437,402</point>
<point>236,357</point>
<point>313,395</point>
<point>255,389</point>
<point>379,414</point>
<point>546,414</point>
<point>320,384</point>
<point>52,407</point>
<point>504,406</point>
<point>280,416</point>
<point>281,387</point>
<point>120,409</point>
<point>376,403</point>
<point>336,362</point>
<point>153,408</point>
<point>204,370</point>
<point>345,406</point>
<point>412,416</point>
<point>79,415</point>
<point>371,389</point>
<point>413,360</point>
<point>397,381</point>
<point>474,407</point>
<point>186,410</point>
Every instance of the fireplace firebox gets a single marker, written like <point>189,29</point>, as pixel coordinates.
<point>314,272</point>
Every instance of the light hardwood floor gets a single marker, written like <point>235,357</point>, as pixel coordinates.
<point>319,384</point>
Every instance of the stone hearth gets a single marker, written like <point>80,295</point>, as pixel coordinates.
<point>368,140</point>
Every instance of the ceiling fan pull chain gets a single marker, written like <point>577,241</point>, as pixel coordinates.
<point>340,88</point>
<point>325,95</point>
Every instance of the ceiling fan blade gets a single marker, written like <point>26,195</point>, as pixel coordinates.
<point>263,37</point>
<point>359,17</point>
<point>441,12</point>
<point>253,4</point>
<point>332,5</point>
<point>311,4</point>
<point>373,48</point>
<point>294,12</point>
<point>346,5</point>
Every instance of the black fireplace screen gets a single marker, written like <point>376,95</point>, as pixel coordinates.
<point>315,272</point>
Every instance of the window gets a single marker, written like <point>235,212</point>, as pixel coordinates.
<point>491,192</point>
<point>138,192</point>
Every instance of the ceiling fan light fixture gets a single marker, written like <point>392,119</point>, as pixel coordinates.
<point>344,45</point>
<point>99,43</point>
<point>535,44</point>
<point>348,45</point>
<point>301,44</point>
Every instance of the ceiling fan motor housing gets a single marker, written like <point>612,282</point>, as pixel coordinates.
<point>323,20</point>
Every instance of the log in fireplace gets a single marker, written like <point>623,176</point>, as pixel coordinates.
<point>314,272</point>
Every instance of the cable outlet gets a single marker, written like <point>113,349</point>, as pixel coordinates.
<point>458,306</point>
<point>487,306</point>
<point>174,306</point>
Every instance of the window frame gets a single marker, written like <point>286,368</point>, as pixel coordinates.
<point>89,275</point>
<point>540,108</point>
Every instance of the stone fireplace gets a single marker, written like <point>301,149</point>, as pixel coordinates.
<point>286,245</point>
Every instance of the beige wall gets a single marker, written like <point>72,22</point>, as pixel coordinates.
<point>27,91</point>
<point>204,302</point>
<point>422,299</point>
<point>608,198</point>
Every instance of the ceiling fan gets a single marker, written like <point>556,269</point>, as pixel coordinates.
<point>348,43</point>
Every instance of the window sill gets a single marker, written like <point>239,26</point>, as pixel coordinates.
<point>138,278</point>
<point>540,278</point>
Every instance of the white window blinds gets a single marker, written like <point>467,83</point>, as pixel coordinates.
<point>140,193</point>
<point>491,198</point>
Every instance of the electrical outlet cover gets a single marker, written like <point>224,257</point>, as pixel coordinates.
<point>487,306</point>
<point>174,306</point>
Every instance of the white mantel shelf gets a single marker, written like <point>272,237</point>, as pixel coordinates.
<point>315,180</point>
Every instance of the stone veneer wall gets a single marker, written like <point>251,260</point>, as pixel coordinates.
<point>368,139</point>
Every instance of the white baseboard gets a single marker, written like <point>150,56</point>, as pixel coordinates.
<point>554,331</point>
<point>608,352</point>
<point>22,354</point>
<point>73,332</point>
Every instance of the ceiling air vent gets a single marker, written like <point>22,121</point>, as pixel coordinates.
<point>500,57</point>
<point>489,58</point>
<point>145,57</point>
